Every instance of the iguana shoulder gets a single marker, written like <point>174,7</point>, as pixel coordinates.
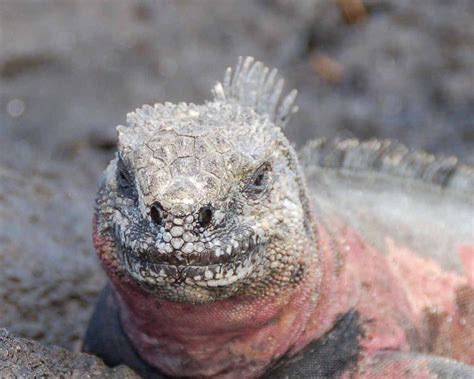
<point>413,210</point>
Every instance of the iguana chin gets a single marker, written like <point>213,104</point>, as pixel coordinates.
<point>223,264</point>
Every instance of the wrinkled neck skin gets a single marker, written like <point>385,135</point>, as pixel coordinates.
<point>232,338</point>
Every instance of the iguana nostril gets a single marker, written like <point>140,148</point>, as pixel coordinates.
<point>156,213</point>
<point>205,216</point>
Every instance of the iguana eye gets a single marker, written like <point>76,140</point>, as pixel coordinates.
<point>259,181</point>
<point>125,184</point>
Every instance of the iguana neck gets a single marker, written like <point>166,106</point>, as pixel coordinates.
<point>236,337</point>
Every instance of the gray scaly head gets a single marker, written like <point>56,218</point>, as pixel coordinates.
<point>203,202</point>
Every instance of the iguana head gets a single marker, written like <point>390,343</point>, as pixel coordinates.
<point>203,202</point>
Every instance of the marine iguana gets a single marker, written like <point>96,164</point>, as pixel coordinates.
<point>228,258</point>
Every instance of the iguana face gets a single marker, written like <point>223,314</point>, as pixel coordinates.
<point>201,203</point>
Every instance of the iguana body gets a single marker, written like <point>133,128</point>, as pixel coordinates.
<point>224,264</point>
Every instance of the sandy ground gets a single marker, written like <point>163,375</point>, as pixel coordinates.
<point>70,71</point>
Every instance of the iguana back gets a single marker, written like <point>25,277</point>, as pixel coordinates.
<point>387,192</point>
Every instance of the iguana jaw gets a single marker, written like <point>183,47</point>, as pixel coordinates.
<point>204,270</point>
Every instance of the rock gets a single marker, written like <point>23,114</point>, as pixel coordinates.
<point>22,358</point>
<point>49,274</point>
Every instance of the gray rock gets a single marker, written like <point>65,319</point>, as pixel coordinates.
<point>49,274</point>
<point>22,358</point>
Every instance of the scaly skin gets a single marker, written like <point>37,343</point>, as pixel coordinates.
<point>220,267</point>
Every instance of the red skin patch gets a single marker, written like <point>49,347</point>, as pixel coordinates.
<point>237,335</point>
<point>240,337</point>
<point>466,253</point>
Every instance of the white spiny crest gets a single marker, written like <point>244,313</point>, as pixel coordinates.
<point>250,84</point>
<point>253,84</point>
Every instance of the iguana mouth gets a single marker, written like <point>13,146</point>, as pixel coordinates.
<point>215,265</point>
<point>212,275</point>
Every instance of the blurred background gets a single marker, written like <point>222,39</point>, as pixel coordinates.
<point>71,70</point>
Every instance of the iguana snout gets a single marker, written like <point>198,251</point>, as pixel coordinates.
<point>209,248</point>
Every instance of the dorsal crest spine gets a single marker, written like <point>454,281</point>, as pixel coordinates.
<point>253,84</point>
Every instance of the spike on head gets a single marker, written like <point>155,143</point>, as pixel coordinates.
<point>254,85</point>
